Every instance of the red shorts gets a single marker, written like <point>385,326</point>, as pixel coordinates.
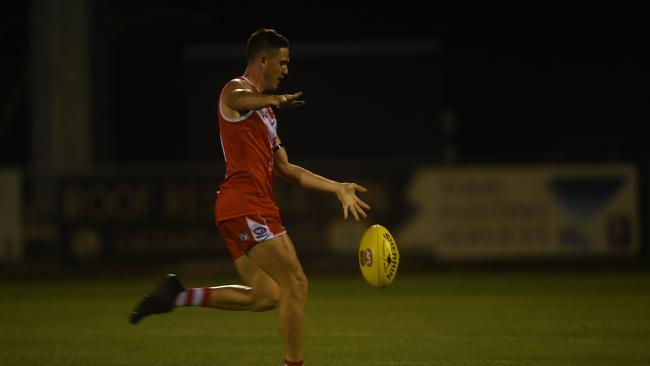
<point>243,233</point>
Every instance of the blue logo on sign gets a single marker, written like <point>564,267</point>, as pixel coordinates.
<point>582,198</point>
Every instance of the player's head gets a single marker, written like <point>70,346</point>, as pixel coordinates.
<point>270,50</point>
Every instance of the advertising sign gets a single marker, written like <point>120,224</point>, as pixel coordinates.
<point>500,211</point>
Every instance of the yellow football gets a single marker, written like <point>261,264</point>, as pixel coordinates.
<point>378,256</point>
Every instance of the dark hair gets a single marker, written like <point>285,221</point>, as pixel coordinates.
<point>264,40</point>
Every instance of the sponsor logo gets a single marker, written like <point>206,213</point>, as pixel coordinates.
<point>260,232</point>
<point>367,257</point>
<point>390,261</point>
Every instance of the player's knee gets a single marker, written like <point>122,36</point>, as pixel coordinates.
<point>268,300</point>
<point>265,298</point>
<point>298,285</point>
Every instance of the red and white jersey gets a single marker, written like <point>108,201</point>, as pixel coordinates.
<point>247,144</point>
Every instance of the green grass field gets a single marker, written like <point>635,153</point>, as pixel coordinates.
<point>431,319</point>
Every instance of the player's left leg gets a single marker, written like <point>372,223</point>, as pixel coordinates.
<point>260,292</point>
<point>263,292</point>
<point>160,300</point>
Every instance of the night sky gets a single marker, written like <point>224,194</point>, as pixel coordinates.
<point>554,82</point>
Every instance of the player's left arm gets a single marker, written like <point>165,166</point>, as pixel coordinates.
<point>345,192</point>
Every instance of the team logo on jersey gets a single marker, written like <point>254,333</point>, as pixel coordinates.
<point>267,116</point>
<point>260,232</point>
<point>243,236</point>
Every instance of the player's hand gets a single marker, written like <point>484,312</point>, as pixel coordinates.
<point>289,100</point>
<point>348,197</point>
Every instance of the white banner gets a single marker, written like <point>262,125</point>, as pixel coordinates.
<point>522,211</point>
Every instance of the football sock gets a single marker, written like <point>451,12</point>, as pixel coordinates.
<point>293,363</point>
<point>193,297</point>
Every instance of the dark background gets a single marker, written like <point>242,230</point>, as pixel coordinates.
<point>527,82</point>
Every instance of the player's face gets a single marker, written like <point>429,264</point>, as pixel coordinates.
<point>277,67</point>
